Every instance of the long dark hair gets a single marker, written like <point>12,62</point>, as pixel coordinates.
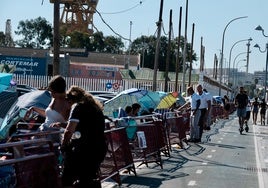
<point>79,95</point>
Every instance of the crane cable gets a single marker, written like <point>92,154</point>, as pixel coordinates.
<point>100,14</point>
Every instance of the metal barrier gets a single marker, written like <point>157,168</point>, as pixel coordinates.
<point>118,156</point>
<point>34,163</point>
<point>145,148</point>
<point>162,137</point>
<point>176,126</point>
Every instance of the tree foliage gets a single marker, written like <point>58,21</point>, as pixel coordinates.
<point>145,45</point>
<point>35,33</point>
<point>2,39</point>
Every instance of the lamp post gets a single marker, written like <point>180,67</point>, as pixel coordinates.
<point>114,67</point>
<point>235,61</point>
<point>230,55</point>
<point>237,72</point>
<point>266,64</point>
<point>259,28</point>
<point>233,80</point>
<point>222,47</point>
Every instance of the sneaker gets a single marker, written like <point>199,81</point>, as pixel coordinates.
<point>241,130</point>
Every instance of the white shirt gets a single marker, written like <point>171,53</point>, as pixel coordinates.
<point>193,100</point>
<point>204,100</point>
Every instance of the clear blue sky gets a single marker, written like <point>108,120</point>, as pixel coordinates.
<point>209,16</point>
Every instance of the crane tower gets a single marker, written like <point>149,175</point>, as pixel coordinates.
<point>8,36</point>
<point>77,15</point>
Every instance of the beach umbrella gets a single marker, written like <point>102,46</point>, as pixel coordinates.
<point>37,98</point>
<point>167,100</point>
<point>147,99</point>
<point>5,79</point>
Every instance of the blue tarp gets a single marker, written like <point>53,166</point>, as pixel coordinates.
<point>5,79</point>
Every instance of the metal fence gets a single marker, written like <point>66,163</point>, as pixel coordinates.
<point>89,84</point>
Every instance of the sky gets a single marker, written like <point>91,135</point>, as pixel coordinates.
<point>209,17</point>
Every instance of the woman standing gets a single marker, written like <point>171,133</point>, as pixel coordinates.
<point>226,106</point>
<point>255,110</point>
<point>263,107</point>
<point>84,144</point>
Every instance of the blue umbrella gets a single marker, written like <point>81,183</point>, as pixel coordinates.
<point>5,79</point>
<point>38,98</point>
<point>147,99</point>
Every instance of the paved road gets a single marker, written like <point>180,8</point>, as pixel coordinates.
<point>224,159</point>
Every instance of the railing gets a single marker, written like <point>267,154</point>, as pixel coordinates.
<point>117,85</point>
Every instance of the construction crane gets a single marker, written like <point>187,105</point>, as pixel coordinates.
<point>77,15</point>
<point>8,37</point>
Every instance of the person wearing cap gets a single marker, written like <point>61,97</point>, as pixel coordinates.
<point>58,109</point>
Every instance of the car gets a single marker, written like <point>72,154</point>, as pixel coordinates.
<point>217,100</point>
<point>22,89</point>
<point>103,94</point>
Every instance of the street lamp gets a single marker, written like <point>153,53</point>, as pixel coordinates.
<point>241,75</point>
<point>235,61</point>
<point>114,67</point>
<point>230,55</point>
<point>259,28</point>
<point>233,83</point>
<point>129,46</point>
<point>263,51</point>
<point>222,46</point>
<point>237,72</point>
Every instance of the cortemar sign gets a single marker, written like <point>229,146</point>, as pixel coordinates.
<point>26,65</point>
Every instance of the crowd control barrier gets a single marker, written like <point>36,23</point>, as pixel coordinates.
<point>118,157</point>
<point>34,164</point>
<point>145,147</point>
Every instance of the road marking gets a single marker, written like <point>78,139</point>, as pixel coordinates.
<point>219,141</point>
<point>192,183</point>
<point>199,171</point>
<point>204,163</point>
<point>213,150</point>
<point>209,156</point>
<point>258,163</point>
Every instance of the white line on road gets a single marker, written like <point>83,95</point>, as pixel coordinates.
<point>258,163</point>
<point>192,183</point>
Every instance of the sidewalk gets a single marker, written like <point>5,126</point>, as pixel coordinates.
<point>154,174</point>
<point>236,157</point>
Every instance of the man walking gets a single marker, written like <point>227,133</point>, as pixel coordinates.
<point>241,101</point>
